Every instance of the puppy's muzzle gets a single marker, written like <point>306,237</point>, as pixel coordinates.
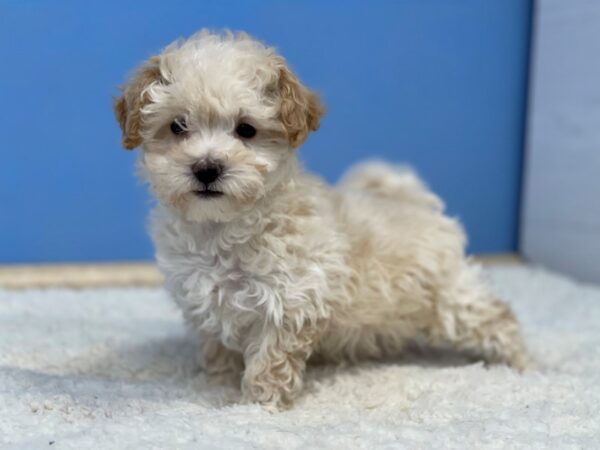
<point>207,172</point>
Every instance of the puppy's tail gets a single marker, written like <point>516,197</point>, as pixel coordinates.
<point>386,181</point>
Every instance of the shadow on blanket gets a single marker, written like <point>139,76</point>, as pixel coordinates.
<point>168,369</point>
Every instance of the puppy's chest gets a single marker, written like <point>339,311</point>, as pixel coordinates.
<point>227,292</point>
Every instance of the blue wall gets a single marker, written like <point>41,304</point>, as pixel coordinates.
<point>438,83</point>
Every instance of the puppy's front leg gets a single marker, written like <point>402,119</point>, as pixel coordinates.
<point>219,363</point>
<point>275,366</point>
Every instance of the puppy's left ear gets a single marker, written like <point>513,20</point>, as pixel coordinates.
<point>300,108</point>
<point>128,106</point>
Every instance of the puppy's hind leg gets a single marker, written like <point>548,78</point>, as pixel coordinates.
<point>472,321</point>
<point>386,181</point>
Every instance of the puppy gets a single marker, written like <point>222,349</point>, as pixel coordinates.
<point>270,266</point>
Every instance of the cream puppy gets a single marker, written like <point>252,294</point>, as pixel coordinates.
<point>270,266</point>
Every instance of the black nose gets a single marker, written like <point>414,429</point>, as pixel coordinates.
<point>207,172</point>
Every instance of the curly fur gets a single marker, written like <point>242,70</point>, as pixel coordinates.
<point>281,268</point>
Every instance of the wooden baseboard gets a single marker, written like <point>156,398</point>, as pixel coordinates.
<point>80,275</point>
<point>134,274</point>
<point>499,259</point>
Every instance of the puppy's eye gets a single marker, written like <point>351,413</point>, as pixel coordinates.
<point>245,130</point>
<point>178,127</point>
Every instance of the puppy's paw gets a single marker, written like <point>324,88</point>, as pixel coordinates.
<point>271,398</point>
<point>523,362</point>
<point>269,407</point>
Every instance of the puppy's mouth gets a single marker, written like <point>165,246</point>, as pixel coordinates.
<point>208,193</point>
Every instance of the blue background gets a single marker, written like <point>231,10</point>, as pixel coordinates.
<point>440,84</point>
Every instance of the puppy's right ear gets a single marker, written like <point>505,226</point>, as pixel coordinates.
<point>134,97</point>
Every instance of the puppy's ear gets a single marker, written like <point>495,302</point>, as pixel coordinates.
<point>127,107</point>
<point>300,108</point>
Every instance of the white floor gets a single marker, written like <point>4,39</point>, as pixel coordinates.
<point>114,368</point>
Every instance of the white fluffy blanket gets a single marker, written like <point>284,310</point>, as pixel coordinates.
<point>110,368</point>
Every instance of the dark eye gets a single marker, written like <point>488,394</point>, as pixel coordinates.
<point>245,130</point>
<point>178,127</point>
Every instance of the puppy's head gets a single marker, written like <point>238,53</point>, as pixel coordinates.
<point>218,118</point>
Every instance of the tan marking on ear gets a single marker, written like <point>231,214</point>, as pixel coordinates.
<point>128,106</point>
<point>300,109</point>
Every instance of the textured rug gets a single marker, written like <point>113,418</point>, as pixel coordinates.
<point>114,368</point>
